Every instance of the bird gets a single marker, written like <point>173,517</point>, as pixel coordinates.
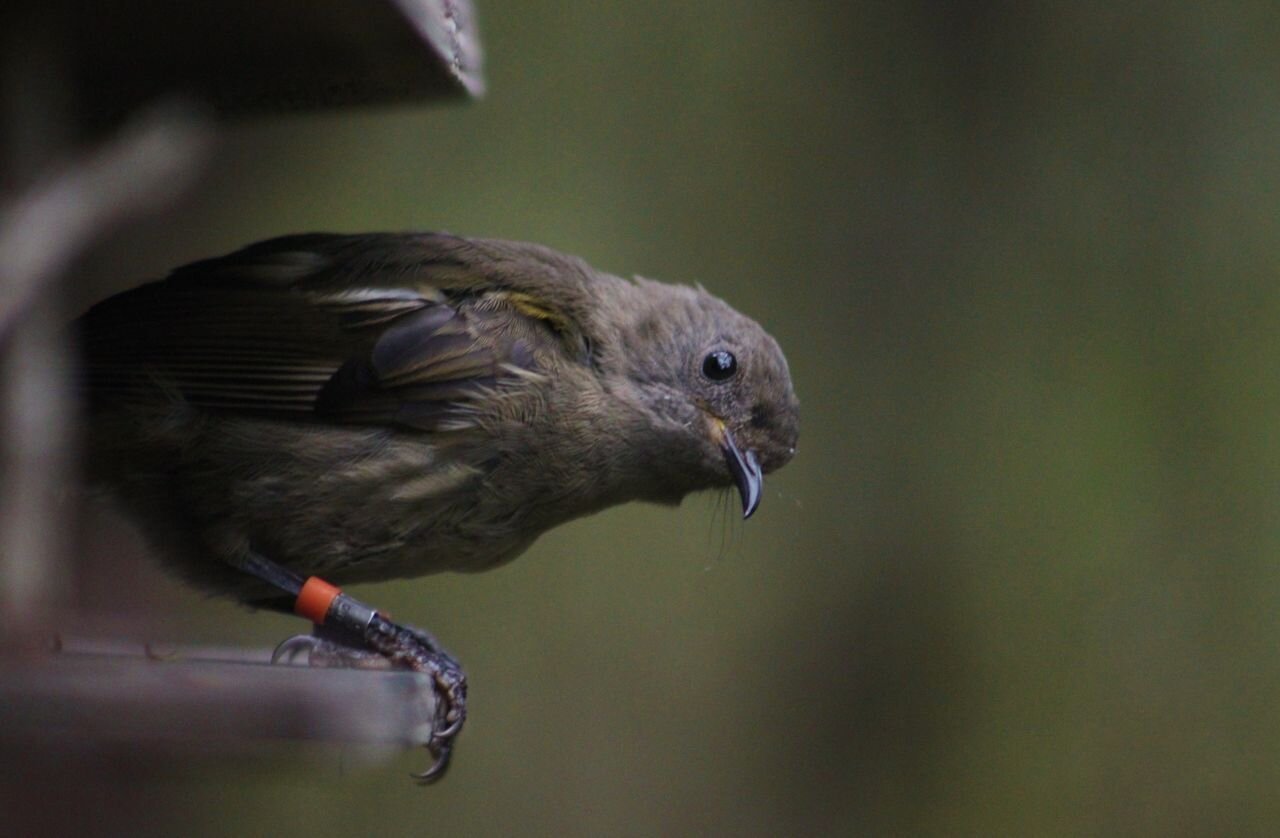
<point>324,409</point>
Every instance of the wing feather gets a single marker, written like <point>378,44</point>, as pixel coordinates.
<point>255,336</point>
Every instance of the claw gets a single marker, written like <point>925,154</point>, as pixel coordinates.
<point>442,753</point>
<point>152,653</point>
<point>291,647</point>
<point>453,728</point>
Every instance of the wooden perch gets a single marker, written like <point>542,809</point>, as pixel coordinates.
<point>190,701</point>
<point>256,57</point>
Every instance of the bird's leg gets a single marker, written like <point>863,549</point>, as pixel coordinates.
<point>344,626</point>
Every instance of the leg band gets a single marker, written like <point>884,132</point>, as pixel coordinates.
<point>324,604</point>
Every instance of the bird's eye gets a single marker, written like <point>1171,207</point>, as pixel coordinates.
<point>719,365</point>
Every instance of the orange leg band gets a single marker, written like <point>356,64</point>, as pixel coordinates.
<point>314,600</point>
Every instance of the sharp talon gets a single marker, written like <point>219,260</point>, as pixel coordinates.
<point>438,768</point>
<point>155,654</point>
<point>452,730</point>
<point>289,648</point>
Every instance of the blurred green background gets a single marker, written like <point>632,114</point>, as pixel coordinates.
<point>1022,577</point>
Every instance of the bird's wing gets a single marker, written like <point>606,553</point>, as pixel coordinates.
<point>546,286</point>
<point>291,330</point>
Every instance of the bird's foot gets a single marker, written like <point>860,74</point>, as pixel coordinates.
<point>384,645</point>
<point>415,649</point>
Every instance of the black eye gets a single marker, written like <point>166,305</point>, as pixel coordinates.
<point>719,365</point>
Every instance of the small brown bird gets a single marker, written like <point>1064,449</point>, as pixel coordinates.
<point>367,407</point>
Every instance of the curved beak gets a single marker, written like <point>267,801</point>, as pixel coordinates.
<point>745,470</point>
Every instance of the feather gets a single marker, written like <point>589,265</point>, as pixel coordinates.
<point>282,328</point>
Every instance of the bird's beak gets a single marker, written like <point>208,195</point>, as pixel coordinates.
<point>744,468</point>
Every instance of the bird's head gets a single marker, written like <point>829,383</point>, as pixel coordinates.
<point>713,383</point>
